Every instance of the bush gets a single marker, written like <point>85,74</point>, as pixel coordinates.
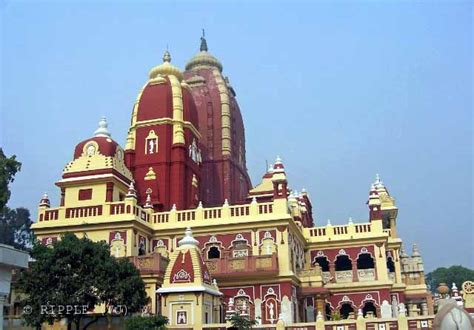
<point>156,322</point>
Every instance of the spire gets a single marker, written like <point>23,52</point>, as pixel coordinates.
<point>203,47</point>
<point>188,238</point>
<point>131,190</point>
<point>167,56</point>
<point>102,130</point>
<point>415,252</point>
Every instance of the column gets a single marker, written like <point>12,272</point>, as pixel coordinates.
<point>321,305</point>
<point>332,271</point>
<point>355,275</point>
<point>3,299</point>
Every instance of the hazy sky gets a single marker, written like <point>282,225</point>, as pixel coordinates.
<point>341,91</point>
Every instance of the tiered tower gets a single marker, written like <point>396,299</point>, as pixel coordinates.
<point>224,172</point>
<point>163,149</point>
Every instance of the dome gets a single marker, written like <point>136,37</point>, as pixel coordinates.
<point>99,152</point>
<point>166,68</point>
<point>203,59</point>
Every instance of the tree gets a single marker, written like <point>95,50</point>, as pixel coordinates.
<point>242,323</point>
<point>8,168</point>
<point>74,277</point>
<point>454,274</point>
<point>157,322</point>
<point>15,228</point>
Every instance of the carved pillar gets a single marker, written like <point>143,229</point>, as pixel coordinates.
<point>332,271</point>
<point>109,195</point>
<point>355,276</point>
<point>321,305</point>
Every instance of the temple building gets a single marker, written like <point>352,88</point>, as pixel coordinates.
<point>177,200</point>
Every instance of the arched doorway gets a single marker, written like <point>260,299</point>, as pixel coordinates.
<point>369,307</point>
<point>323,263</point>
<point>343,263</point>
<point>365,261</point>
<point>213,253</point>
<point>345,310</point>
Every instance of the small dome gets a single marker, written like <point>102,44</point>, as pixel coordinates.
<point>166,68</point>
<point>99,152</point>
<point>203,59</point>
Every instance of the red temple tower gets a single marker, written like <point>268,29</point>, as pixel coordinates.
<point>224,171</point>
<point>163,150</point>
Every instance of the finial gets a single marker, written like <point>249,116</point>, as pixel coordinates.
<point>102,130</point>
<point>226,202</point>
<point>415,251</point>
<point>188,238</point>
<point>131,190</point>
<point>320,316</point>
<point>200,205</point>
<point>167,56</point>
<point>254,200</point>
<point>350,221</point>
<point>148,201</point>
<point>203,47</point>
<point>173,208</point>
<point>329,223</point>
<point>278,160</point>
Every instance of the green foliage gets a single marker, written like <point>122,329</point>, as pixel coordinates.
<point>454,274</point>
<point>157,322</point>
<point>242,323</point>
<point>15,228</point>
<point>78,272</point>
<point>336,316</point>
<point>8,168</point>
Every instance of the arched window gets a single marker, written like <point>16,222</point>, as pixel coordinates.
<point>365,261</point>
<point>141,249</point>
<point>213,253</point>
<point>343,263</point>
<point>323,263</point>
<point>346,309</point>
<point>369,307</point>
<point>328,312</point>
<point>390,265</point>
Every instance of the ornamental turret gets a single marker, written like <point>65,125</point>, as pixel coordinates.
<point>163,144</point>
<point>97,173</point>
<point>388,209</point>
<point>224,172</point>
<point>186,280</point>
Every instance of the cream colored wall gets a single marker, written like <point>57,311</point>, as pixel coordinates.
<point>98,195</point>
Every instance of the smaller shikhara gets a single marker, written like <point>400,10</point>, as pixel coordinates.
<point>255,251</point>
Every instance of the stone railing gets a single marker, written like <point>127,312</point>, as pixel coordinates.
<point>344,232</point>
<point>239,267</point>
<point>128,210</point>
<point>150,264</point>
<point>310,272</point>
<point>326,277</point>
<point>344,276</point>
<point>366,274</point>
<point>391,276</point>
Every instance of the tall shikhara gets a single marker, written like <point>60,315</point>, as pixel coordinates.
<point>183,166</point>
<point>224,170</point>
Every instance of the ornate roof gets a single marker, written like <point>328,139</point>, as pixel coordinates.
<point>203,59</point>
<point>187,271</point>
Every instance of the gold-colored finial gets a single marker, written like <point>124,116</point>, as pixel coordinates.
<point>166,56</point>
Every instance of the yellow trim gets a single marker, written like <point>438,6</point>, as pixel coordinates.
<point>178,130</point>
<point>225,113</point>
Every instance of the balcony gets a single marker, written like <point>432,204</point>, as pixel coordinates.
<point>344,276</point>
<point>366,274</point>
<point>150,264</point>
<point>244,266</point>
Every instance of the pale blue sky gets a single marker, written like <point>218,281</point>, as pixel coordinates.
<point>339,90</point>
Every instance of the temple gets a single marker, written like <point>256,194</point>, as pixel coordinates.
<point>178,201</point>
